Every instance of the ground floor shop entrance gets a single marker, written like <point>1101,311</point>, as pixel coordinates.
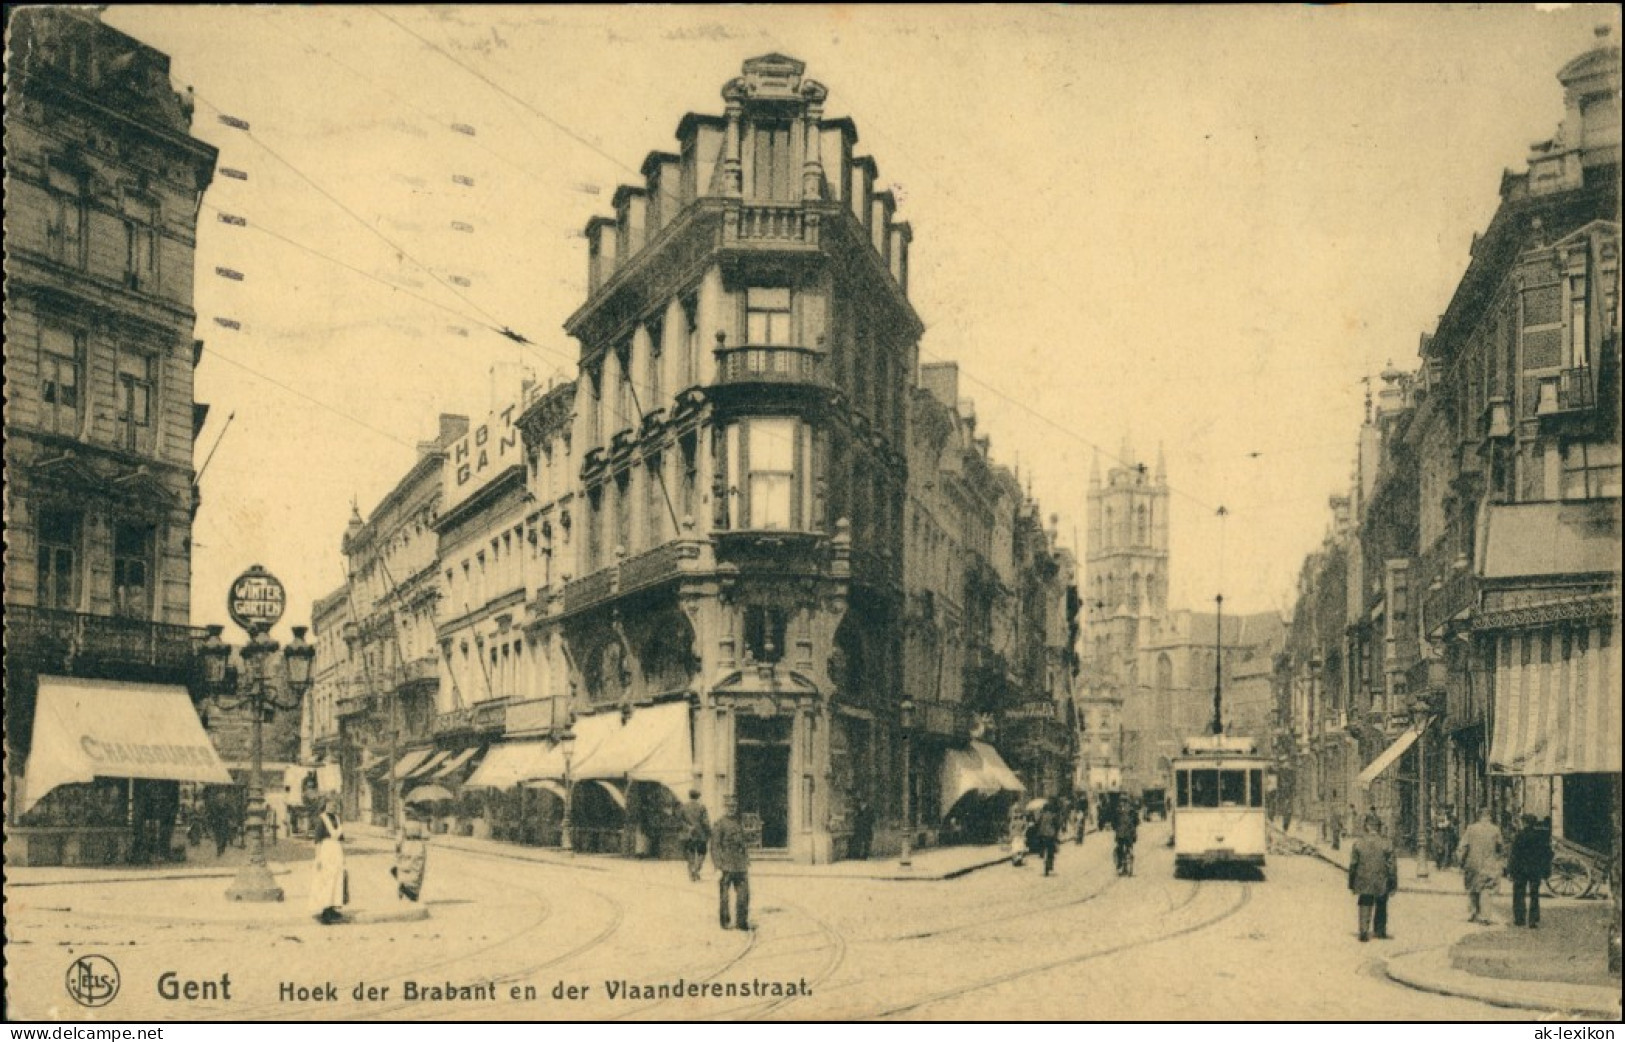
<point>763,763</point>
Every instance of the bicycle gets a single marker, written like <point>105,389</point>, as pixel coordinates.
<point>1123,855</point>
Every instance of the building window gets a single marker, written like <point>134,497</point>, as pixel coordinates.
<point>770,459</point>
<point>654,502</point>
<point>772,166</point>
<point>624,409</point>
<point>656,391</point>
<point>767,316</point>
<point>135,400</point>
<point>62,355</point>
<point>764,633</point>
<point>594,410</point>
<point>595,528</point>
<point>66,219</point>
<point>690,447</point>
<point>140,244</point>
<point>1591,470</point>
<point>689,364</point>
<point>623,512</point>
<point>58,560</point>
<point>132,571</point>
<point>1579,347</point>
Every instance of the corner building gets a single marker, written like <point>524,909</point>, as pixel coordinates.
<point>746,350</point>
<point>104,181</point>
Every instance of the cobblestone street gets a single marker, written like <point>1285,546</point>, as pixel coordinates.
<point>1084,944</point>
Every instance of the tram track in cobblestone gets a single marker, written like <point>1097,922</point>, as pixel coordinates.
<point>836,944</point>
<point>1071,960</point>
<point>373,1010</point>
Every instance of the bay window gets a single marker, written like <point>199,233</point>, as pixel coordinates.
<point>768,473</point>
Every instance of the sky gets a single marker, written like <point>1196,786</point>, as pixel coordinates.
<point>1197,228</point>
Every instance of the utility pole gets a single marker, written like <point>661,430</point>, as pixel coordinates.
<point>1218,668</point>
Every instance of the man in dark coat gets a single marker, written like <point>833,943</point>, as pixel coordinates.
<point>863,830</point>
<point>730,851</point>
<point>217,811</point>
<point>696,823</point>
<point>1049,835</point>
<point>1529,864</point>
<point>1373,875</point>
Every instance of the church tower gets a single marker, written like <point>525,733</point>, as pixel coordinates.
<point>1124,591</point>
<point>1126,567</point>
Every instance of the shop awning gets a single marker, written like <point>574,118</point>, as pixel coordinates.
<point>424,769</point>
<point>1557,712</point>
<point>85,729</point>
<point>370,762</point>
<point>651,745</point>
<point>978,769</point>
<point>510,763</point>
<point>548,785</point>
<point>614,791</point>
<point>409,763</point>
<point>1390,756</point>
<point>454,762</point>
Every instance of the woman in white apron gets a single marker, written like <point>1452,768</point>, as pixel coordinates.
<point>327,886</point>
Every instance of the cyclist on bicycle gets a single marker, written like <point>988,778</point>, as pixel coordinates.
<point>1126,824</point>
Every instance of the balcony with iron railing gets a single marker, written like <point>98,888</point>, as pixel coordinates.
<point>1445,582</point>
<point>647,569</point>
<point>782,364</point>
<point>417,671</point>
<point>83,644</point>
<point>1566,394</point>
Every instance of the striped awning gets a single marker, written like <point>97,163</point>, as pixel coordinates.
<point>1390,756</point>
<point>1557,701</point>
<point>455,762</point>
<point>424,769</point>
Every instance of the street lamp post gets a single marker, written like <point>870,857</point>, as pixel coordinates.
<point>254,882</point>
<point>567,746</point>
<point>906,718</point>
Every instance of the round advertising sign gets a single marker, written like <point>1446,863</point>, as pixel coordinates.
<point>257,600</point>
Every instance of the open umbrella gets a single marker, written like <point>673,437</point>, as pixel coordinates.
<point>428,794</point>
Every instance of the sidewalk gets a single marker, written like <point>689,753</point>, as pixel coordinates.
<point>1435,970</point>
<point>1436,881</point>
<point>1548,970</point>
<point>201,863</point>
<point>930,865</point>
<point>179,893</point>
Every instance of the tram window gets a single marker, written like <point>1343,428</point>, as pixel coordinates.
<point>1255,788</point>
<point>1204,788</point>
<point>1182,797</point>
<point>1232,788</point>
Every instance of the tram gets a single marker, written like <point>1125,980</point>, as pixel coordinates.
<point>1218,806</point>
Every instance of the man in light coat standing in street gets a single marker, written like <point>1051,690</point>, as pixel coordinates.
<point>696,833</point>
<point>1373,875</point>
<point>1480,863</point>
<point>730,851</point>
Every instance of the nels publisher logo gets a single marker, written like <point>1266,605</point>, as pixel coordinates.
<point>92,980</point>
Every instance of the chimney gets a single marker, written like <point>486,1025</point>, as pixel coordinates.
<point>941,381</point>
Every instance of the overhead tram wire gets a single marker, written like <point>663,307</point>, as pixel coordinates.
<point>566,130</point>
<point>666,193</point>
<point>490,322</point>
<point>301,394</point>
<point>434,119</point>
<point>495,324</point>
